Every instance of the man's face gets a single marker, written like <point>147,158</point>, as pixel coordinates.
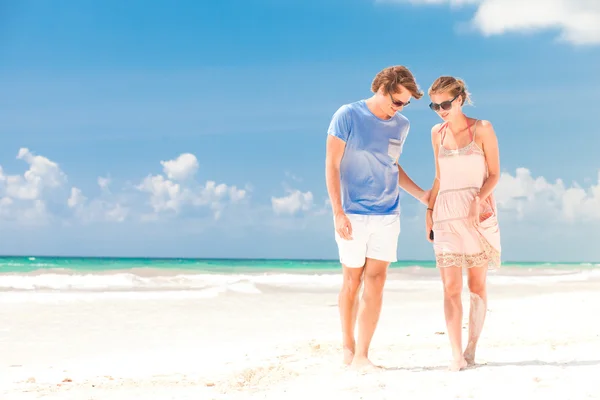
<point>391,103</point>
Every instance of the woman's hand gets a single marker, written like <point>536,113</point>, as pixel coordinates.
<point>474,212</point>
<point>429,224</point>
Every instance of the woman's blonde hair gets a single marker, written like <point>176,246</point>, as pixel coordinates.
<point>453,86</point>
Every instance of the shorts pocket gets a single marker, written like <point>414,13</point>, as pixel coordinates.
<point>394,149</point>
<point>391,223</point>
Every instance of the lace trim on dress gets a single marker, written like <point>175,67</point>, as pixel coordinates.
<point>471,148</point>
<point>489,256</point>
<point>458,189</point>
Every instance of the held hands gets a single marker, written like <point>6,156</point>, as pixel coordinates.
<point>424,198</point>
<point>343,226</point>
<point>428,224</point>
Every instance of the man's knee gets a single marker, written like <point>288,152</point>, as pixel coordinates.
<point>375,282</point>
<point>376,277</point>
<point>352,282</point>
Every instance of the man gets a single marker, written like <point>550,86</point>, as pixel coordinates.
<point>364,142</point>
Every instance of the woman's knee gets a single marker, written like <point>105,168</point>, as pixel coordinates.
<point>452,289</point>
<point>453,284</point>
<point>477,284</point>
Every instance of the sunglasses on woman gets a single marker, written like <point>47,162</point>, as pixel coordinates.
<point>444,105</point>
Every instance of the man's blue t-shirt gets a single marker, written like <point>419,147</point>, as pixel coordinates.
<point>369,169</point>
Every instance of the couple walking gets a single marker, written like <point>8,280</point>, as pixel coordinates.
<point>363,175</point>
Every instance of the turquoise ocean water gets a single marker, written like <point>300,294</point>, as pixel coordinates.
<point>29,264</point>
<point>200,265</point>
<point>32,273</point>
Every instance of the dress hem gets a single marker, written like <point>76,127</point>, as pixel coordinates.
<point>489,257</point>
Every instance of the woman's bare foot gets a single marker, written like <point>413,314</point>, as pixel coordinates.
<point>363,364</point>
<point>469,356</point>
<point>348,355</point>
<point>457,365</point>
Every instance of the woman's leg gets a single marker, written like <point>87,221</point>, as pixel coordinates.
<point>478,307</point>
<point>453,311</point>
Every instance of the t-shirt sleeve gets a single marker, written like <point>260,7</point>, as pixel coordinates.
<point>341,124</point>
<point>404,135</point>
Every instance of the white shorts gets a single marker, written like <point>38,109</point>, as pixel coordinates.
<point>373,236</point>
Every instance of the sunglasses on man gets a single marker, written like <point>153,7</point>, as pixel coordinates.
<point>398,103</point>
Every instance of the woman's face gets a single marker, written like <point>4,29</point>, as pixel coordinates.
<point>446,105</point>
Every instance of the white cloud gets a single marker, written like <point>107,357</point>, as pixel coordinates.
<point>37,214</point>
<point>531,197</point>
<point>41,176</point>
<point>23,197</point>
<point>164,194</point>
<point>182,168</point>
<point>578,21</point>
<point>27,197</point>
<point>76,199</point>
<point>5,204</point>
<point>32,197</point>
<point>103,183</point>
<point>116,213</point>
<point>294,203</point>
<point>169,196</point>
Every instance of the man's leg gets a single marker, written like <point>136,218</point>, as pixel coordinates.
<point>369,308</point>
<point>381,251</point>
<point>352,256</point>
<point>348,304</point>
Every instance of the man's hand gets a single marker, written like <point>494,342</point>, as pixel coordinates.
<point>343,226</point>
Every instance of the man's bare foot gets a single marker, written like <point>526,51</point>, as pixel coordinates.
<point>457,365</point>
<point>348,355</point>
<point>363,364</point>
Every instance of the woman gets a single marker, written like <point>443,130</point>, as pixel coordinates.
<point>461,217</point>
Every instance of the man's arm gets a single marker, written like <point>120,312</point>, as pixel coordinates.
<point>408,184</point>
<point>410,187</point>
<point>333,158</point>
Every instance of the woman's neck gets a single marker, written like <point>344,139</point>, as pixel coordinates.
<point>459,123</point>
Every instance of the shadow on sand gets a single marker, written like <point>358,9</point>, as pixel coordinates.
<point>535,363</point>
<point>528,363</point>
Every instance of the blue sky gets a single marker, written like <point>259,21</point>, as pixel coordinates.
<point>98,97</point>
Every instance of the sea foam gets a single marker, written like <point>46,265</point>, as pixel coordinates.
<point>216,283</point>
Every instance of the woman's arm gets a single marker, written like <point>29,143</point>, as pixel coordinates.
<point>435,143</point>
<point>489,144</point>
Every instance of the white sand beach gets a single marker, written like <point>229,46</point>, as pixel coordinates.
<point>278,338</point>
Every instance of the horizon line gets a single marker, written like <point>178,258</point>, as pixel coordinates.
<point>259,259</point>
